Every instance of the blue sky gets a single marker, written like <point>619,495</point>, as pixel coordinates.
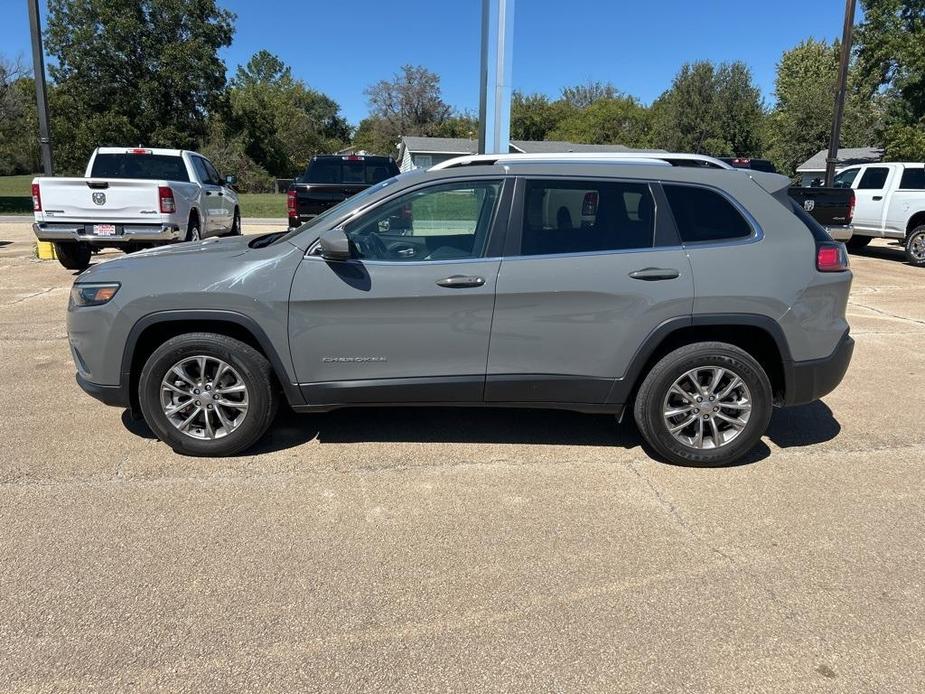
<point>341,47</point>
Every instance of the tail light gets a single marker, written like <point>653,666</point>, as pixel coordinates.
<point>165,195</point>
<point>139,150</point>
<point>831,257</point>
<point>292,203</point>
<point>851,201</point>
<point>36,198</point>
<point>589,204</point>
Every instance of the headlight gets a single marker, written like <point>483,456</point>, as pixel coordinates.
<point>91,294</point>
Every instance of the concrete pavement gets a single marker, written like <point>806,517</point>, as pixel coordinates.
<point>458,550</point>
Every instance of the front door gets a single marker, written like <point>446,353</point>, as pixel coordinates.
<point>869,195</point>
<point>588,274</point>
<point>408,318</point>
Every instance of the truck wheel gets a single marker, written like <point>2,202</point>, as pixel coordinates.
<point>858,242</point>
<point>915,247</point>
<point>73,255</point>
<point>192,231</point>
<point>704,405</point>
<point>207,394</point>
<point>235,225</point>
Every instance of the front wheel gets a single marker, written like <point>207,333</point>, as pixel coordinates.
<point>915,247</point>
<point>207,394</point>
<point>73,255</point>
<point>705,405</point>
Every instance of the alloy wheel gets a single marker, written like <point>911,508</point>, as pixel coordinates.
<point>204,397</point>
<point>707,407</point>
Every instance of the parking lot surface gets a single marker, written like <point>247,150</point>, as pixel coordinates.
<point>461,550</point>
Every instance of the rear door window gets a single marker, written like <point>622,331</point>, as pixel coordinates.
<point>704,215</point>
<point>585,216</point>
<point>913,179</point>
<point>142,166</point>
<point>874,178</point>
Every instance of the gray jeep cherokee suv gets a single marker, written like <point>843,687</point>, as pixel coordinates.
<point>697,298</point>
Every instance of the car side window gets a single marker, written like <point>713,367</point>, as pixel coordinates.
<point>913,179</point>
<point>442,222</point>
<point>704,215</point>
<point>215,177</point>
<point>201,171</point>
<point>586,216</point>
<point>844,179</point>
<point>874,177</point>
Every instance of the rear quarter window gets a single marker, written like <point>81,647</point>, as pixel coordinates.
<point>703,215</point>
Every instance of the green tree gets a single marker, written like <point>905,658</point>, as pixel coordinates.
<point>891,57</point>
<point>801,122</point>
<point>408,104</point>
<point>133,71</point>
<point>277,121</point>
<point>581,96</point>
<point>617,119</point>
<point>535,116</point>
<point>710,110</point>
<point>18,129</point>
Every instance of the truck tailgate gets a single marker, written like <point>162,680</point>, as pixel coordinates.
<point>828,206</point>
<point>87,199</point>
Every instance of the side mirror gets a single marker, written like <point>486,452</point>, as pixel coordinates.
<point>231,180</point>
<point>335,245</point>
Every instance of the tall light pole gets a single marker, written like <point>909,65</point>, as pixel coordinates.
<point>495,77</point>
<point>41,98</point>
<point>840,91</point>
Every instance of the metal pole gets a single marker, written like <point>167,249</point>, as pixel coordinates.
<point>495,77</point>
<point>840,91</point>
<point>483,77</point>
<point>41,99</point>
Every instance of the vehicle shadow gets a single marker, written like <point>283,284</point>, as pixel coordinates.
<point>798,426</point>
<point>894,251</point>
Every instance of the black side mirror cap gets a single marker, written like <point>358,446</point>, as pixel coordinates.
<point>335,245</point>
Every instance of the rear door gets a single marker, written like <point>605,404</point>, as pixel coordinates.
<point>591,268</point>
<point>870,196</point>
<point>408,318</point>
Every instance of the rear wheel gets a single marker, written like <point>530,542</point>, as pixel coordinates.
<point>207,394</point>
<point>705,404</point>
<point>915,247</point>
<point>73,255</point>
<point>193,231</point>
<point>857,242</point>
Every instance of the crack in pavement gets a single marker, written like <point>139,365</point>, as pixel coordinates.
<point>32,296</point>
<point>887,313</point>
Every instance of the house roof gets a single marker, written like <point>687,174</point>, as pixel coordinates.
<point>460,145</point>
<point>846,156</point>
<point>444,145</point>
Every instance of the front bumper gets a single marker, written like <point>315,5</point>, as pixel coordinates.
<point>806,381</point>
<point>116,396</point>
<point>131,233</point>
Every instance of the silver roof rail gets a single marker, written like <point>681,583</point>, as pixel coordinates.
<point>656,158</point>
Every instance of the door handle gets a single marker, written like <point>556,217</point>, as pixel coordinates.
<point>878,197</point>
<point>208,192</point>
<point>461,282</point>
<point>220,194</point>
<point>653,274</point>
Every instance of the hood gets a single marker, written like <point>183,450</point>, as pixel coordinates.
<point>233,244</point>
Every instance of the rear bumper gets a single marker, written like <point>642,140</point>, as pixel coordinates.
<point>841,232</point>
<point>116,396</point>
<point>75,231</point>
<point>810,380</point>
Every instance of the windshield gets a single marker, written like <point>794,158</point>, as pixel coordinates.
<point>358,170</point>
<point>339,209</point>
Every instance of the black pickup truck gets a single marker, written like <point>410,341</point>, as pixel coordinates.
<point>833,208</point>
<point>330,179</point>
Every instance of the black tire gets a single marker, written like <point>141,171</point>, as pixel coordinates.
<point>915,247</point>
<point>235,224</point>
<point>254,370</point>
<point>193,230</point>
<point>856,243</point>
<point>73,255</point>
<point>647,409</point>
<point>294,222</point>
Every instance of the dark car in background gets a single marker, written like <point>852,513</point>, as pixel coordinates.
<point>331,179</point>
<point>753,164</point>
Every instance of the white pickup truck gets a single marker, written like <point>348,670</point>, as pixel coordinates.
<point>889,204</point>
<point>133,198</point>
